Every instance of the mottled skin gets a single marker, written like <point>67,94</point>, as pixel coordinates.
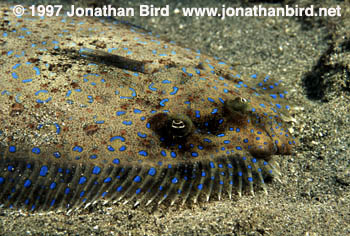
<point>128,115</point>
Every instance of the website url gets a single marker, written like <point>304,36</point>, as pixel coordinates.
<point>261,11</point>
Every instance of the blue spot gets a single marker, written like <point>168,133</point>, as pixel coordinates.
<point>214,111</point>
<point>126,122</point>
<point>117,137</point>
<point>163,153</point>
<point>250,179</point>
<point>175,180</point>
<point>262,105</point>
<point>2,180</point>
<point>210,99</point>
<point>173,154</point>
<point>43,170</point>
<point>194,154</point>
<point>96,170</point>
<point>245,140</point>
<point>93,156</point>
<point>122,148</point>
<point>27,183</point>
<point>12,149</point>
<point>137,111</point>
<point>82,180</point>
<point>77,149</point>
<point>152,171</point>
<point>143,153</point>
<point>212,165</point>
<point>142,135</point>
<point>107,180</point>
<point>200,186</point>
<point>36,150</point>
<point>53,185</point>
<point>110,148</point>
<point>116,161</point>
<point>119,113</point>
<point>137,179</point>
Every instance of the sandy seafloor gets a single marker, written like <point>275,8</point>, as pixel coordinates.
<point>312,57</point>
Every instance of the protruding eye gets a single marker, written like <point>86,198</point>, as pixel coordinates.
<point>181,125</point>
<point>237,105</point>
<point>172,126</point>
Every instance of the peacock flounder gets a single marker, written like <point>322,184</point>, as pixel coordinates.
<point>95,109</point>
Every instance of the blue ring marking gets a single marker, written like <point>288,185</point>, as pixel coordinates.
<point>175,89</point>
<point>14,75</point>
<point>143,153</point>
<point>27,183</point>
<point>58,128</point>
<point>117,137</point>
<point>151,88</point>
<point>36,150</point>
<point>82,180</point>
<point>16,66</point>
<point>43,170</point>
<point>152,171</point>
<point>37,70</point>
<point>42,101</point>
<point>163,101</point>
<point>142,135</point>
<point>96,170</point>
<point>132,95</point>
